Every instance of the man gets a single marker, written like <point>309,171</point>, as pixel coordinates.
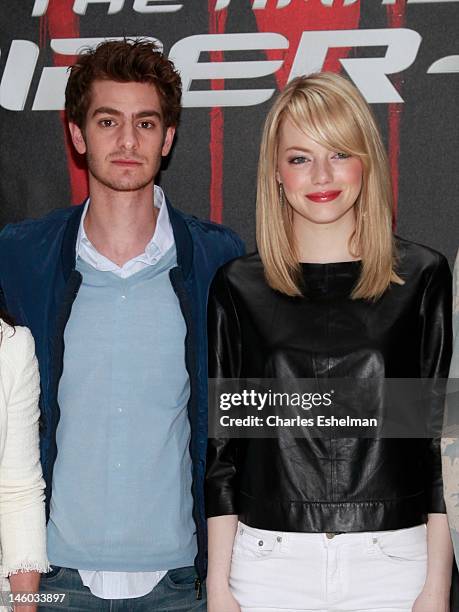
<point>115,294</point>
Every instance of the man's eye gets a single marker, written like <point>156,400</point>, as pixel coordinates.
<point>106,123</point>
<point>146,125</point>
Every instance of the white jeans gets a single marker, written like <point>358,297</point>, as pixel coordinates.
<point>381,571</point>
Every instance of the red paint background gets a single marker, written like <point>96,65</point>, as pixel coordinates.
<point>61,22</point>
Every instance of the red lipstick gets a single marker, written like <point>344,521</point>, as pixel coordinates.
<point>323,196</point>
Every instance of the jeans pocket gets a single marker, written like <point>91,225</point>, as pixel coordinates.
<point>402,546</point>
<point>55,572</point>
<point>255,544</point>
<point>181,578</point>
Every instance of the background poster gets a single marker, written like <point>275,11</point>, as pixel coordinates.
<point>402,54</point>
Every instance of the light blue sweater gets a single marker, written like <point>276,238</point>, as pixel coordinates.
<point>122,478</point>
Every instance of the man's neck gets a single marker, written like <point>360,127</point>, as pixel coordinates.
<point>120,224</point>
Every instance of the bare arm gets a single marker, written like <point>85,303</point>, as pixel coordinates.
<point>25,582</point>
<point>222,530</point>
<point>436,592</point>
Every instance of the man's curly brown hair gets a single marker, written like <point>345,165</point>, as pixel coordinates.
<point>124,61</point>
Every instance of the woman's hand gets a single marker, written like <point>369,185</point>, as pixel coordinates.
<point>430,601</point>
<point>435,595</point>
<point>222,600</point>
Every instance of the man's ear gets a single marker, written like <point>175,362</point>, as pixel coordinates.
<point>168,140</point>
<point>77,138</point>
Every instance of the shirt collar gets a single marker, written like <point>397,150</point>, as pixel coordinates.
<point>160,242</point>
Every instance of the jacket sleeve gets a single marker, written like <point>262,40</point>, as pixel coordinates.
<point>454,371</point>
<point>436,347</point>
<point>22,513</point>
<point>450,445</point>
<point>223,454</point>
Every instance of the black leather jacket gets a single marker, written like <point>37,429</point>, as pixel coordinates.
<point>329,485</point>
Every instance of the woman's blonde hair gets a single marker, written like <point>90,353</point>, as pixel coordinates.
<point>331,111</point>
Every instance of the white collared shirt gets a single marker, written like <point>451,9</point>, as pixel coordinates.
<point>160,242</point>
<point>126,585</point>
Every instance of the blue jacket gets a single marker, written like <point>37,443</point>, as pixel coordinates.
<point>39,284</point>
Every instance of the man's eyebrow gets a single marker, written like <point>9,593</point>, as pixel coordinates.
<point>148,113</point>
<point>107,110</point>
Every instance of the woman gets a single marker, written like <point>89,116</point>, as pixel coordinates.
<point>22,514</point>
<point>327,524</point>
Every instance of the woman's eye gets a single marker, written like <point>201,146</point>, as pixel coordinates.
<point>341,155</point>
<point>299,159</point>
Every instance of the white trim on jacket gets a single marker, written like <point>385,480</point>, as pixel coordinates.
<point>22,512</point>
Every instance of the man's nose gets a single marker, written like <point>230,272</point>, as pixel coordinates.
<point>128,138</point>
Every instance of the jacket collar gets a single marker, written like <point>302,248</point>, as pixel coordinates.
<point>68,252</point>
<point>183,240</point>
<point>182,237</point>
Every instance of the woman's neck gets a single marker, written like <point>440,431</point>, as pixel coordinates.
<point>324,242</point>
